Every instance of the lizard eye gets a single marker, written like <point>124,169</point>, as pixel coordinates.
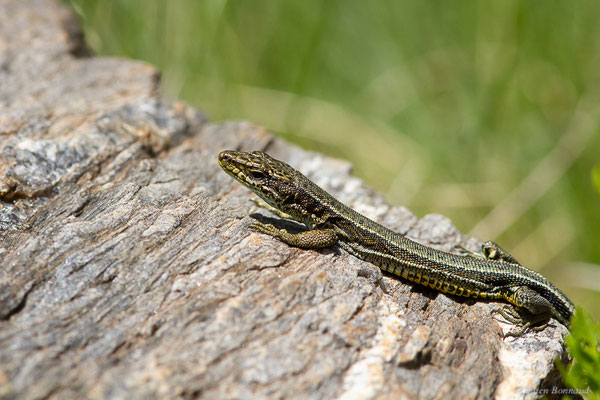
<point>257,174</point>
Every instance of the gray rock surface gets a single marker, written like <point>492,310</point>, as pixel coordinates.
<point>127,269</point>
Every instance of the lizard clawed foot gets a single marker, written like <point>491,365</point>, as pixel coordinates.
<point>263,204</point>
<point>512,316</point>
<point>469,253</point>
<point>269,229</point>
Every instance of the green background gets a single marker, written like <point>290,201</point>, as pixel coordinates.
<point>486,112</point>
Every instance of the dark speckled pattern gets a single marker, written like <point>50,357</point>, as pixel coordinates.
<point>499,276</point>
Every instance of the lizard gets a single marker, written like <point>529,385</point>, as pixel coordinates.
<point>493,275</point>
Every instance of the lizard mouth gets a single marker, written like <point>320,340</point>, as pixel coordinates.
<point>230,162</point>
<point>242,168</point>
<point>227,161</point>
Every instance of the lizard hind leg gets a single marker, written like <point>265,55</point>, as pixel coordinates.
<point>490,251</point>
<point>527,307</point>
<point>469,253</point>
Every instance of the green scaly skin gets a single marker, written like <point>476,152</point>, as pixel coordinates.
<point>494,275</point>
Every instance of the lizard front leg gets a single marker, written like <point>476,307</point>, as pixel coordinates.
<point>312,239</point>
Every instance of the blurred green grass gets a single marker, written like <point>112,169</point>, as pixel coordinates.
<point>583,343</point>
<point>487,112</point>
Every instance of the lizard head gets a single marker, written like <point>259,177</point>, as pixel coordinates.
<point>271,179</point>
